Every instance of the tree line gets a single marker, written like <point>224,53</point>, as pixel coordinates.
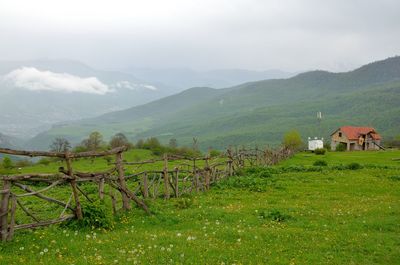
<point>95,142</point>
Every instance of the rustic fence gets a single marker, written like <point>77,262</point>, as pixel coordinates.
<point>176,175</point>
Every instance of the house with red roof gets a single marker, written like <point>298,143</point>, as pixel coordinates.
<point>356,138</point>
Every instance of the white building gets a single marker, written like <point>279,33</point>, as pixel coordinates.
<point>315,143</point>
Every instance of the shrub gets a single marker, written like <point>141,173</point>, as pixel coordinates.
<point>95,215</point>
<point>44,161</point>
<point>292,140</point>
<point>23,163</point>
<point>320,163</point>
<point>394,178</point>
<point>320,151</point>
<point>184,203</point>
<point>214,153</point>
<point>354,166</point>
<point>7,163</point>
<point>341,147</point>
<point>274,215</point>
<point>327,146</point>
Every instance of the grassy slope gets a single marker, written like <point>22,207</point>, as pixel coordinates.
<point>264,125</point>
<point>338,217</point>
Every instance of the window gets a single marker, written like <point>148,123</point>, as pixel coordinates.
<point>340,134</point>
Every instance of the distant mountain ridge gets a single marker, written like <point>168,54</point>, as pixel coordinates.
<point>259,112</point>
<point>185,78</point>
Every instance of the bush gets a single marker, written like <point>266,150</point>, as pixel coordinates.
<point>7,163</point>
<point>184,203</point>
<point>320,163</point>
<point>44,161</point>
<point>95,215</point>
<point>274,215</point>
<point>214,153</point>
<point>341,147</point>
<point>292,140</point>
<point>327,146</point>
<point>320,151</point>
<point>354,166</point>
<point>23,163</point>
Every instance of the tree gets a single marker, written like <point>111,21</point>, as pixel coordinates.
<point>292,140</point>
<point>7,163</point>
<point>94,142</point>
<point>139,144</point>
<point>119,140</point>
<point>152,143</point>
<point>173,143</point>
<point>60,145</point>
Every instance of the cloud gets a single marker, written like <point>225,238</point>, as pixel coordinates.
<point>33,79</point>
<point>132,86</point>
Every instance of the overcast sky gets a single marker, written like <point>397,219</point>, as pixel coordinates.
<point>291,35</point>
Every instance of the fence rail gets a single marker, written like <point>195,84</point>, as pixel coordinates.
<point>186,175</point>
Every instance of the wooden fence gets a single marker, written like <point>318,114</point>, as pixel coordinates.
<point>176,175</point>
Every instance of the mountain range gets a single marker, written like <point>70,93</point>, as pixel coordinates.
<point>256,112</point>
<point>34,95</point>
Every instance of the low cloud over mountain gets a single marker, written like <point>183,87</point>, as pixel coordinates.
<point>33,79</point>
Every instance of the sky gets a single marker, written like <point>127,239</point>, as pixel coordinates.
<point>290,35</point>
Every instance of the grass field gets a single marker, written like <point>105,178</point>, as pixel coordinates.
<point>324,216</point>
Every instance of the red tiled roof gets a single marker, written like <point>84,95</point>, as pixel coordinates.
<point>353,133</point>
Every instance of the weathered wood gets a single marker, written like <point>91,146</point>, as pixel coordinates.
<point>44,223</point>
<point>207,173</point>
<point>89,174</point>
<point>27,211</point>
<point>78,208</point>
<point>84,194</point>
<point>121,181</point>
<point>166,178</point>
<point>132,196</point>
<point>197,182</point>
<point>176,182</point>
<point>12,218</point>
<point>37,177</point>
<point>113,201</point>
<point>230,168</point>
<point>4,210</point>
<point>26,188</point>
<point>40,191</point>
<point>62,155</point>
<point>101,189</point>
<point>145,186</point>
<point>67,205</point>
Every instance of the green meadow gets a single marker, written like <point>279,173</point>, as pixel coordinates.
<point>292,213</point>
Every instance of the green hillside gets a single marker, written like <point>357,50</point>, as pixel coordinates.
<point>258,112</point>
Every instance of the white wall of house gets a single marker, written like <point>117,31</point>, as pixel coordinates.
<point>315,143</point>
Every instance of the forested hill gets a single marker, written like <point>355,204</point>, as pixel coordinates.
<point>258,112</point>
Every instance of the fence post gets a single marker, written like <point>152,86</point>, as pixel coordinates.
<point>230,169</point>
<point>101,188</point>
<point>78,210</point>
<point>176,182</point>
<point>121,181</point>
<point>145,186</point>
<point>4,209</point>
<point>12,219</point>
<point>207,172</point>
<point>166,177</point>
